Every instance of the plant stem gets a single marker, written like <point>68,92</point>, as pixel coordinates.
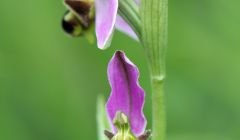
<point>158,110</point>
<point>154,18</point>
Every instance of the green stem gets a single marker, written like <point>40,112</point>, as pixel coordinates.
<point>158,110</point>
<point>154,17</point>
<point>129,11</point>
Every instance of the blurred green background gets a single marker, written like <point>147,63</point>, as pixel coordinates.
<point>49,82</point>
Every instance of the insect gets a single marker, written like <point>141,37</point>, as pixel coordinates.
<point>79,17</point>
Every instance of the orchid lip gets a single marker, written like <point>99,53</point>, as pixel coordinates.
<point>126,95</point>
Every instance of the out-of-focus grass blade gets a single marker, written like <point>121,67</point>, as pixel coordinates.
<point>102,121</point>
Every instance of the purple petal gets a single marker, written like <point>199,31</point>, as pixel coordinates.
<point>126,95</point>
<point>106,13</point>
<point>122,26</point>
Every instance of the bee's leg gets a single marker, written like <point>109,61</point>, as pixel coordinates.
<point>145,136</point>
<point>108,134</point>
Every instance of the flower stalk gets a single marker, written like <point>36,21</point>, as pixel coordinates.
<point>154,18</point>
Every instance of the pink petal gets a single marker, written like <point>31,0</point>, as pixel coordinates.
<point>126,96</point>
<point>106,13</point>
<point>122,26</point>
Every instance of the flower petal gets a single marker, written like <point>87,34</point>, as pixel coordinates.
<point>126,95</point>
<point>106,13</point>
<point>122,26</point>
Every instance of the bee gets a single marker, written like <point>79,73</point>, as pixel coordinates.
<point>79,17</point>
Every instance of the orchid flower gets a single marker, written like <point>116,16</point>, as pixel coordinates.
<point>149,24</point>
<point>125,104</point>
<point>81,16</point>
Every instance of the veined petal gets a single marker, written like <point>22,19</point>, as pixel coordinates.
<point>122,26</point>
<point>126,95</point>
<point>106,13</point>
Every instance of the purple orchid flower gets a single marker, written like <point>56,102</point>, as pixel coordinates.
<point>107,19</point>
<point>125,104</point>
